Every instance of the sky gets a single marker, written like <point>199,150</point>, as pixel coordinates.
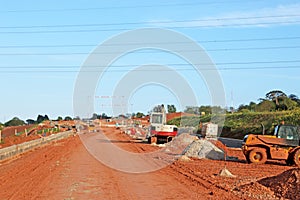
<point>254,46</point>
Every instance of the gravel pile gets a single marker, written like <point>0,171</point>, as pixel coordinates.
<point>204,149</point>
<point>179,143</point>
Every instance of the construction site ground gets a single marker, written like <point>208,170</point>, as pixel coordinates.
<point>65,170</point>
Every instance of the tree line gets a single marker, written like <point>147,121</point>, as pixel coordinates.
<point>275,100</point>
<point>40,118</point>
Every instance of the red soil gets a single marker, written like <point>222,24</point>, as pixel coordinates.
<point>65,170</point>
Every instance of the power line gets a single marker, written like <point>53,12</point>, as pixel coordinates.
<point>175,27</point>
<point>118,7</point>
<point>182,69</point>
<point>147,22</point>
<point>149,51</point>
<point>169,64</point>
<point>145,43</point>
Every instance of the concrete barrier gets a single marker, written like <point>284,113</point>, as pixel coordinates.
<point>14,150</point>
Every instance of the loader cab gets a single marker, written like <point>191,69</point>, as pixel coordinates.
<point>289,132</point>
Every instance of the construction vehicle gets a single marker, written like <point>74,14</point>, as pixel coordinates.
<point>159,131</point>
<point>283,145</point>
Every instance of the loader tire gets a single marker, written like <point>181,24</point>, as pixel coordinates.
<point>297,157</point>
<point>257,156</point>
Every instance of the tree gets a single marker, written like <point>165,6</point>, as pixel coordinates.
<point>265,105</point>
<point>275,95</point>
<point>204,109</point>
<point>14,122</point>
<point>95,116</point>
<point>104,116</point>
<point>171,108</point>
<point>288,103</point>
<point>159,108</point>
<point>218,110</point>
<point>30,121</point>
<point>139,115</point>
<point>294,98</point>
<point>243,107</point>
<point>231,109</point>
<point>41,118</point>
<point>77,118</point>
<point>252,106</point>
<point>68,118</point>
<point>59,118</point>
<point>46,117</point>
<point>192,110</point>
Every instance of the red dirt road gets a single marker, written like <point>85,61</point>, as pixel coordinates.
<point>65,170</point>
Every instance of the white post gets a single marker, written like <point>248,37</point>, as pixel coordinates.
<point>15,131</point>
<point>26,132</point>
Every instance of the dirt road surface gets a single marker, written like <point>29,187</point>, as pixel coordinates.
<point>65,170</point>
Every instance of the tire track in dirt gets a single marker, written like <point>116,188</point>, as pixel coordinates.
<point>181,173</point>
<point>213,190</point>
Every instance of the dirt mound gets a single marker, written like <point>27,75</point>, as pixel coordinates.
<point>180,142</point>
<point>204,149</point>
<point>219,144</point>
<point>286,184</point>
<point>254,190</point>
<point>10,131</point>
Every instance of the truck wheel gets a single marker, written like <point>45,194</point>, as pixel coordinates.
<point>258,156</point>
<point>297,158</point>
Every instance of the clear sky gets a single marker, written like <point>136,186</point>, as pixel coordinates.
<point>254,44</point>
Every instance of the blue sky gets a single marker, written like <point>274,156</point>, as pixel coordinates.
<point>44,43</point>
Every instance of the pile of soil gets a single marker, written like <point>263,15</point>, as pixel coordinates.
<point>286,184</point>
<point>254,190</point>
<point>219,144</point>
<point>204,149</point>
<point>179,143</point>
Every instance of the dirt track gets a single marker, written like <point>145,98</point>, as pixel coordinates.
<point>65,170</point>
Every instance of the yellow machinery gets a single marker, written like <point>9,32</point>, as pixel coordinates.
<point>283,145</point>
